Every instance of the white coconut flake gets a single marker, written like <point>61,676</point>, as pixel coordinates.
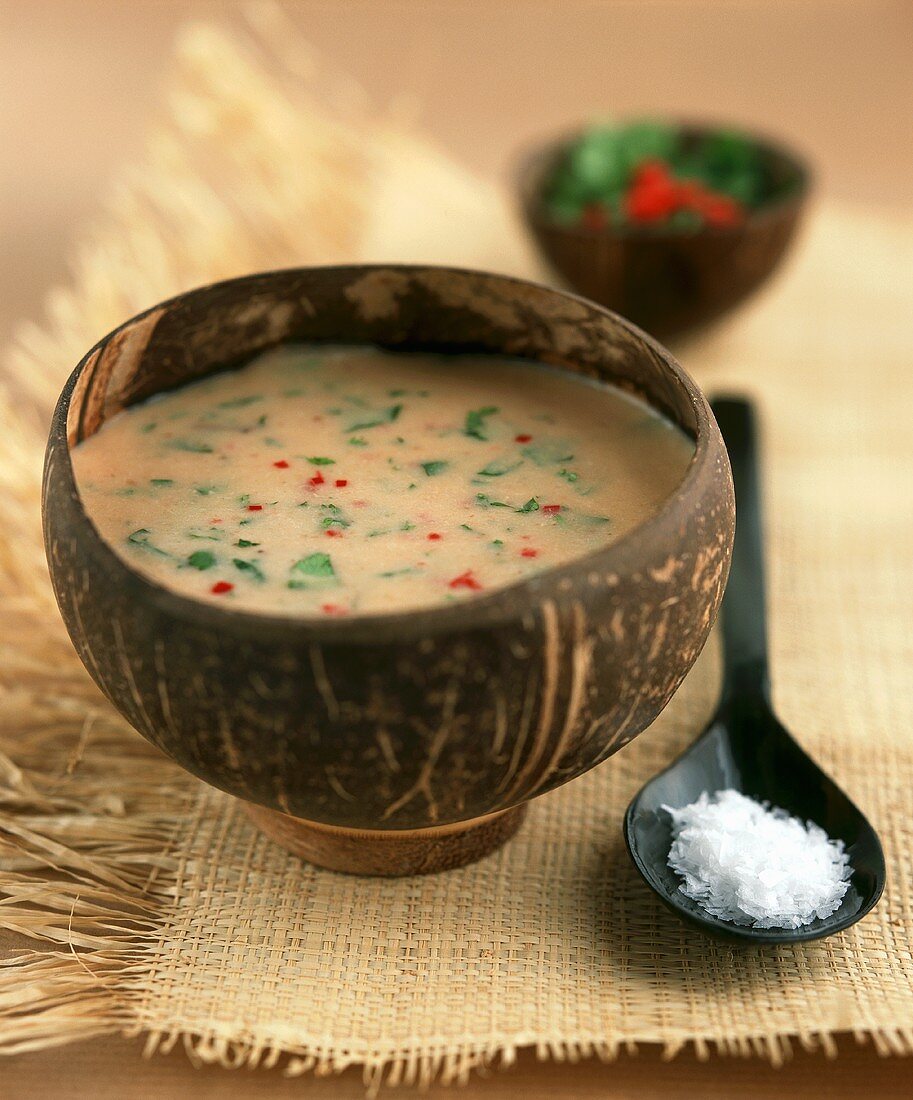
<point>751,864</point>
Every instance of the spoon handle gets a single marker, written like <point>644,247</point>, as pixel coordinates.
<point>744,625</point>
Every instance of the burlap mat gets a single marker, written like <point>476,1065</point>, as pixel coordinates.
<point>162,911</point>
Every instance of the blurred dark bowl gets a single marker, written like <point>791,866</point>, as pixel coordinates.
<point>668,281</point>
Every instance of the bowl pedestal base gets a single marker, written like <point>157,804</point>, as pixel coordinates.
<point>387,851</point>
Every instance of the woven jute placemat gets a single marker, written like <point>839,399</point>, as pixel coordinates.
<point>153,906</point>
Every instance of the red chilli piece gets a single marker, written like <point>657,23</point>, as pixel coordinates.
<point>434,536</point>
<point>317,479</point>
<point>332,609</point>
<point>653,194</point>
<point>341,482</point>
<point>332,533</point>
<point>551,509</point>
<point>528,552</point>
<point>281,464</point>
<point>466,580</point>
<point>221,587</point>
<point>255,507</point>
<point>523,439</point>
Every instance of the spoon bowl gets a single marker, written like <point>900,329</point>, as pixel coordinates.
<point>746,747</point>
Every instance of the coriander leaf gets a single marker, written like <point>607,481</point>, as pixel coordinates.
<point>160,482</point>
<point>487,502</point>
<point>475,421</point>
<point>498,467</point>
<point>532,505</point>
<point>315,565</point>
<point>202,559</point>
<point>141,538</point>
<point>432,469</point>
<point>240,402</point>
<point>249,567</point>
<point>191,445</point>
<point>319,460</point>
<point>243,543</point>
<point>384,416</point>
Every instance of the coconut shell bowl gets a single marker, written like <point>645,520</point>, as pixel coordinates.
<point>671,281</point>
<point>408,742</point>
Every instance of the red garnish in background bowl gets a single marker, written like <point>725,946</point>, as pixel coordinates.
<point>221,587</point>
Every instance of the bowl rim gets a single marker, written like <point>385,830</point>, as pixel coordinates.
<point>496,608</point>
<point>529,161</point>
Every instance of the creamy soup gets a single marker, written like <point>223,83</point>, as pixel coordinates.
<point>333,481</point>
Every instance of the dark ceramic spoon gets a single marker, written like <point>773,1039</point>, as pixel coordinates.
<point>745,747</point>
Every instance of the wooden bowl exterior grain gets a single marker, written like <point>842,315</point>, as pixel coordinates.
<point>415,720</point>
<point>669,282</point>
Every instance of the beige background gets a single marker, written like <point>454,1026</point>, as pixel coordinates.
<point>79,80</point>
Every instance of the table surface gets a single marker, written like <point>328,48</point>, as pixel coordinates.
<point>79,80</point>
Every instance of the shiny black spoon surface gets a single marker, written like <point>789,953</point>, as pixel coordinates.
<point>745,746</point>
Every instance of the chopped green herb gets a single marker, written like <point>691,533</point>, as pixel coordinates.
<point>432,469</point>
<point>497,543</point>
<point>249,567</point>
<point>206,490</point>
<point>357,441</point>
<point>202,559</point>
<point>569,475</point>
<point>243,543</point>
<point>126,492</point>
<point>547,454</point>
<point>161,482</point>
<point>271,442</point>
<point>532,505</point>
<point>385,416</point>
<point>398,572</point>
<point>315,565</point>
<point>203,538</point>
<point>240,402</point>
<point>475,421</point>
<point>407,525</point>
<point>396,393</point>
<point>194,446</point>
<point>141,538</point>
<point>498,467</point>
<point>487,502</point>
<point>151,426</point>
<point>318,460</point>
<point>335,517</point>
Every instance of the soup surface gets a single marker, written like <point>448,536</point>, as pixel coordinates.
<point>332,481</point>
